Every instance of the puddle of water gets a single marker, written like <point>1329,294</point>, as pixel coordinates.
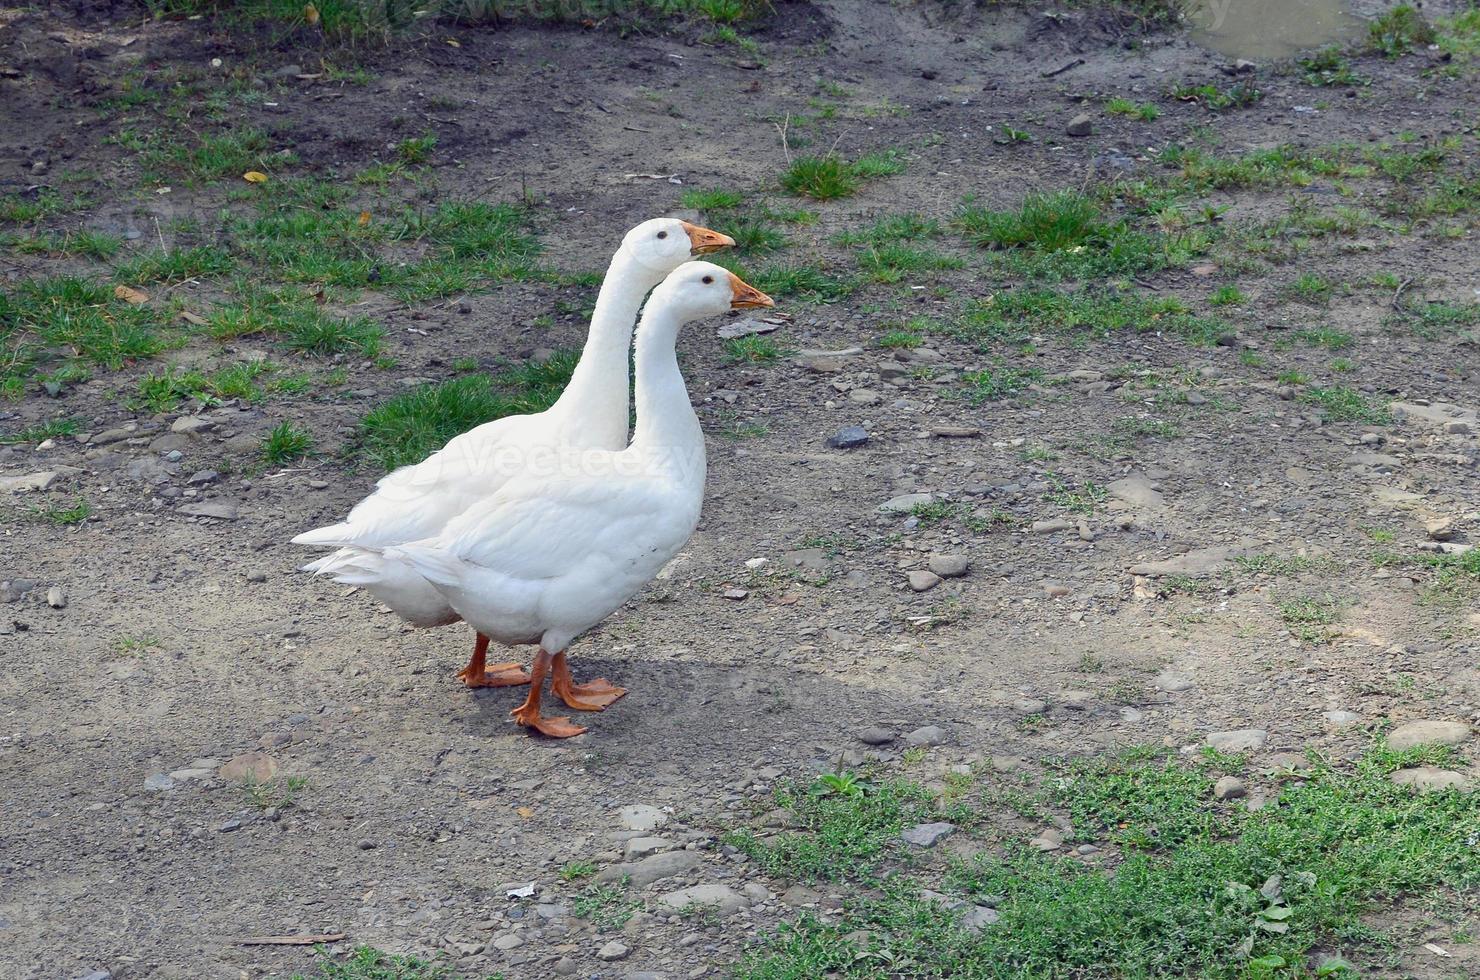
<point>1267,30</point>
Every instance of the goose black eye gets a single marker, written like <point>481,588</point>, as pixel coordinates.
<point>708,280</point>
<point>662,234</point>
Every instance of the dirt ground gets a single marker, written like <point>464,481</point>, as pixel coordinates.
<point>186,640</point>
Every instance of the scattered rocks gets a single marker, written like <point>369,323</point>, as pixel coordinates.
<point>641,816</point>
<point>926,735</point>
<point>1240,740</point>
<point>1053,525</point>
<point>927,834</point>
<point>1049,840</point>
<point>254,766</point>
<point>1417,733</point>
<point>1429,779</point>
<point>864,396</point>
<point>1229,788</point>
<point>949,566</point>
<point>221,510</point>
<point>923,581</point>
<point>905,503</point>
<point>158,782</point>
<point>722,897</point>
<point>641,847</point>
<point>650,869</point>
<point>1174,683</point>
<point>29,482</point>
<point>613,951</point>
<point>876,736</point>
<point>849,437</point>
<point>1198,562</point>
<point>190,425</point>
<point>1137,491</point>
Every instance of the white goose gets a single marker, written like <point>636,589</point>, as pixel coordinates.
<point>551,555</point>
<point>417,501</point>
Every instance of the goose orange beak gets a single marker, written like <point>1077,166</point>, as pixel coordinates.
<point>702,241</point>
<point>745,296</point>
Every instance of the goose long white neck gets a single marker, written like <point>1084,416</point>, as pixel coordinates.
<point>668,432</point>
<point>596,396</point>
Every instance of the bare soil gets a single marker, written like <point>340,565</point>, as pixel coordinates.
<point>423,804</point>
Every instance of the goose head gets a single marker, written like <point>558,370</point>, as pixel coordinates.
<point>701,289</point>
<point>663,244</point>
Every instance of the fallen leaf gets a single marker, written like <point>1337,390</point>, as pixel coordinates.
<point>364,219</point>
<point>255,177</point>
<point>194,318</point>
<point>524,812</point>
<point>310,14</point>
<point>130,295</point>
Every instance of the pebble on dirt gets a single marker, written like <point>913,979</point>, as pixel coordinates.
<point>849,437</point>
<point>1417,733</point>
<point>1242,740</point>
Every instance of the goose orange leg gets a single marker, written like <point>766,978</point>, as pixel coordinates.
<point>591,696</point>
<point>528,713</point>
<point>479,674</point>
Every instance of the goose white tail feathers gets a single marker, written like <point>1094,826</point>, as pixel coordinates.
<point>330,536</point>
<point>433,564</point>
<point>352,566</point>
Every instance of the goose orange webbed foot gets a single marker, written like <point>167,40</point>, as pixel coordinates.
<point>528,713</point>
<point>479,674</point>
<point>594,695</point>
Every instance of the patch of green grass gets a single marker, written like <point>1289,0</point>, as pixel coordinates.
<point>1081,500</point>
<point>81,244</point>
<point>752,349</point>
<point>1459,36</point>
<point>285,443</point>
<point>1050,222</point>
<point>410,427</point>
<point>1398,31</point>
<point>1145,428</point>
<point>1198,888</point>
<point>891,263</point>
<point>50,429</point>
<point>1218,99</point>
<point>278,793</point>
<point>1342,404</point>
<point>606,907</point>
<point>756,236</point>
<point>576,870</point>
<point>1330,67</point>
<point>416,150</point>
<point>313,332</point>
<point>1311,288</point>
<point>828,177</point>
<point>1144,111</point>
<point>840,834</point>
<point>798,280</point>
<point>214,156</point>
<point>1308,616</point>
<point>892,230</point>
<point>1015,315</point>
<point>1227,296</point>
<point>1326,337</point>
<point>175,265</point>
<point>991,384</point>
<point>164,391</point>
<point>368,963</point>
<point>1435,319</point>
<point>60,516</point>
<point>901,340</point>
<point>717,199</point>
<point>1295,378</point>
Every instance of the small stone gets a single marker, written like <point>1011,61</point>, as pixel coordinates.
<point>926,735</point>
<point>848,437</point>
<point>1054,590</point>
<point>876,736</point>
<point>1241,740</point>
<point>158,782</point>
<point>507,942</point>
<point>949,566</point>
<point>927,834</point>
<point>1132,715</point>
<point>254,766</point>
<point>257,576</point>
<point>641,816</point>
<point>1417,733</point>
<point>202,477</point>
<point>1229,788</point>
<point>190,425</point>
<point>905,503</point>
<point>955,432</point>
<point>798,895</point>
<point>1052,526</point>
<point>1429,779</point>
<point>221,510</point>
<point>648,870</point>
<point>366,844</point>
<point>613,951</point>
<point>722,897</point>
<point>641,847</point>
<point>1174,683</point>
<point>31,481</point>
<point>56,598</point>
<point>1440,528</point>
<point>1049,840</point>
<point>864,396</point>
<point>1341,719</point>
<point>1080,125</point>
<point>1029,706</point>
<point>922,581</point>
<point>227,826</point>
